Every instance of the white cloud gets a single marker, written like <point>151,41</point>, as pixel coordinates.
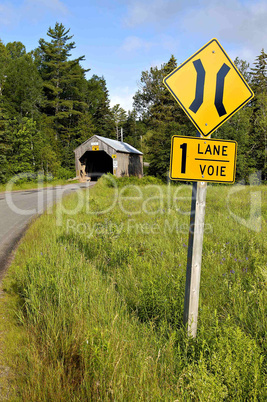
<point>133,43</point>
<point>169,43</point>
<point>8,14</point>
<point>30,10</point>
<point>122,96</point>
<point>154,12</point>
<point>233,21</point>
<point>244,53</point>
<point>53,5</point>
<point>240,24</point>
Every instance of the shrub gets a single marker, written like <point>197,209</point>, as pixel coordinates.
<point>64,174</point>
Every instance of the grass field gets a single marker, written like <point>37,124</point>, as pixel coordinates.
<point>97,298</point>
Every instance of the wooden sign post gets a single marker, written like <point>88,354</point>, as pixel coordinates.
<point>194,257</point>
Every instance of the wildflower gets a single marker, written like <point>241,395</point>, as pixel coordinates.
<point>161,253</point>
<point>184,245</point>
<point>41,253</point>
<point>232,271</point>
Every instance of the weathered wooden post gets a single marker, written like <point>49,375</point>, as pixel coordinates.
<point>194,256</point>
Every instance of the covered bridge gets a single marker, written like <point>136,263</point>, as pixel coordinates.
<point>100,155</point>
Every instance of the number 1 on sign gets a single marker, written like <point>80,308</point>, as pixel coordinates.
<point>184,150</point>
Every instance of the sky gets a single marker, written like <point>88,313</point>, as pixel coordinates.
<point>122,38</point>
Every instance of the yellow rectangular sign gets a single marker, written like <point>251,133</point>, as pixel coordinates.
<point>95,148</point>
<point>200,159</point>
<point>209,87</point>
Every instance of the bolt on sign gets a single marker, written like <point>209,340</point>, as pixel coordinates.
<point>200,159</point>
<point>209,87</point>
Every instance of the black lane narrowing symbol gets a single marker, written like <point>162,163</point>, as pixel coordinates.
<point>199,87</point>
<point>219,89</point>
<point>195,105</point>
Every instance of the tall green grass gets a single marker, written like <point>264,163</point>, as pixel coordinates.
<point>100,300</point>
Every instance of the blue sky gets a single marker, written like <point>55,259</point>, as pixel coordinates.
<point>122,38</point>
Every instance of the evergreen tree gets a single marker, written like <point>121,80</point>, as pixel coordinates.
<point>259,134</point>
<point>5,140</point>
<point>85,129</point>
<point>4,60</point>
<point>162,117</point>
<point>243,67</point>
<point>23,87</point>
<point>259,74</point>
<point>5,151</point>
<point>259,116</point>
<point>62,80</point>
<point>134,130</point>
<point>159,146</point>
<point>22,133</point>
<point>153,101</point>
<point>238,128</point>
<point>15,50</point>
<point>97,98</point>
<point>49,155</point>
<point>119,118</point>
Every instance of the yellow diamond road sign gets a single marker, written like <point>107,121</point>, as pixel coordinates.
<point>200,159</point>
<point>209,87</point>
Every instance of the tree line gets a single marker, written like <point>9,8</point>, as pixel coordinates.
<point>48,107</point>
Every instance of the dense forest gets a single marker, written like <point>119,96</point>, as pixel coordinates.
<point>48,107</point>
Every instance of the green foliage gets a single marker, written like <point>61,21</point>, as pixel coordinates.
<point>63,173</point>
<point>119,117</point>
<point>97,98</point>
<point>159,145</point>
<point>134,130</point>
<point>23,87</point>
<point>46,85</point>
<point>153,101</point>
<point>62,81</point>
<point>15,50</point>
<point>22,133</point>
<point>259,74</point>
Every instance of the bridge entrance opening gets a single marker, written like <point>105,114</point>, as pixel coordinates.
<point>95,164</point>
